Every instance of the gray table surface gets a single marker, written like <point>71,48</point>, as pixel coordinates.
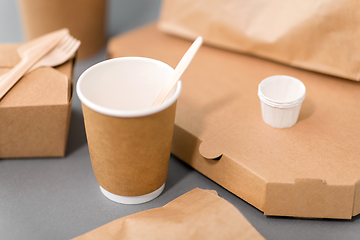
<point>60,199</point>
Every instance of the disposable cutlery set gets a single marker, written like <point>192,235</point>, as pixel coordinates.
<point>49,50</point>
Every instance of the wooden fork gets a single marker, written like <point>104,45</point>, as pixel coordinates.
<point>29,56</point>
<point>67,48</point>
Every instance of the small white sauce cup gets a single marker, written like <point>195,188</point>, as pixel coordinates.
<point>281,98</point>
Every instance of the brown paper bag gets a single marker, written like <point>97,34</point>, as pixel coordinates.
<point>321,36</point>
<point>198,214</point>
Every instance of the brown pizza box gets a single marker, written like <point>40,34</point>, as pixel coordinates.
<point>310,170</point>
<point>35,113</point>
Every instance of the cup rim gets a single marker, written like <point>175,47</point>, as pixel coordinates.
<point>128,113</point>
<point>281,104</point>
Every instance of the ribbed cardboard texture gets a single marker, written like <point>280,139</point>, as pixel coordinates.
<point>130,156</point>
<point>321,36</point>
<point>85,19</point>
<point>35,113</point>
<point>310,170</point>
<point>198,214</point>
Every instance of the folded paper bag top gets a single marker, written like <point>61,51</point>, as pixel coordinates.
<point>198,214</point>
<point>321,36</point>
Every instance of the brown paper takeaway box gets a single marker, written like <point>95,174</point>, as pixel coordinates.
<point>35,113</point>
<point>309,170</point>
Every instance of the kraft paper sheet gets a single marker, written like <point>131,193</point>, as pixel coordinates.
<point>198,214</point>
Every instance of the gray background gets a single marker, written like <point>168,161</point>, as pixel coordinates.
<point>59,198</point>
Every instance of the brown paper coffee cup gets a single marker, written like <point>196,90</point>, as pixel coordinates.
<point>129,141</point>
<point>85,19</point>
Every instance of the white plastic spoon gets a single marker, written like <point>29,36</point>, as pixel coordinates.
<point>179,70</point>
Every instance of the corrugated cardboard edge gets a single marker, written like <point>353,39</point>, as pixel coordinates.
<point>309,198</point>
<point>243,182</point>
<point>304,198</point>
